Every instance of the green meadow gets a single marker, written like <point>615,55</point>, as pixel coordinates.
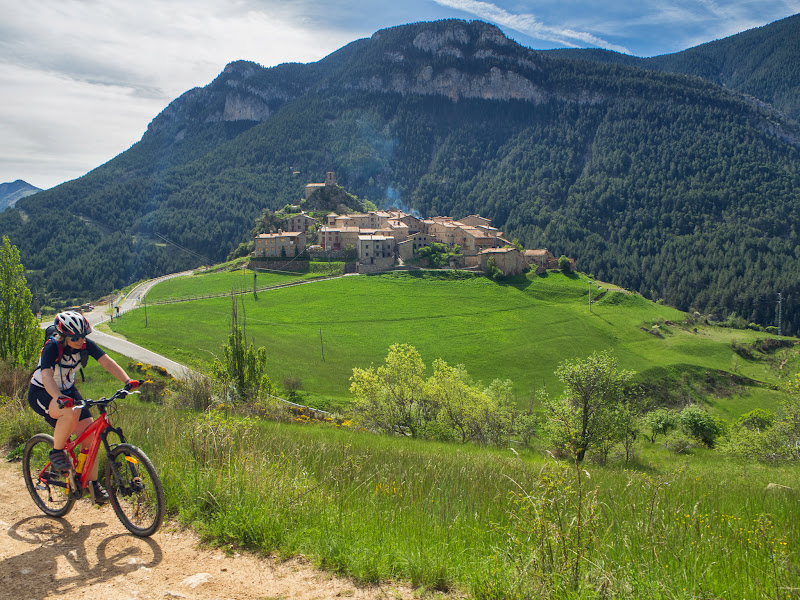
<point>210,283</point>
<point>518,330</point>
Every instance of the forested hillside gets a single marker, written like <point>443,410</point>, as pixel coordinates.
<point>763,62</point>
<point>662,183</point>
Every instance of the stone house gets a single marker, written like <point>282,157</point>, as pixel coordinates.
<point>406,249</point>
<point>475,221</point>
<point>509,260</point>
<point>302,222</point>
<point>338,238</point>
<point>281,244</point>
<point>539,258</point>
<point>371,247</point>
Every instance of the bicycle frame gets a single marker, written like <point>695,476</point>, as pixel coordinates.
<point>98,431</point>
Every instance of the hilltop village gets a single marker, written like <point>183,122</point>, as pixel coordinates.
<point>380,240</point>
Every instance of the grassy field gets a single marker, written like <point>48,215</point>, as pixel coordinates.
<point>482,522</point>
<point>485,523</point>
<point>210,283</point>
<point>519,331</point>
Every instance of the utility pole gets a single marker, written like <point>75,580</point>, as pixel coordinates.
<point>780,307</point>
<point>321,345</point>
<point>590,295</point>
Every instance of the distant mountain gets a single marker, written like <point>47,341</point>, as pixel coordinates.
<point>763,62</point>
<point>663,183</point>
<point>11,192</point>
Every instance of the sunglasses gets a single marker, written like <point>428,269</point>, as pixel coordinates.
<point>76,338</point>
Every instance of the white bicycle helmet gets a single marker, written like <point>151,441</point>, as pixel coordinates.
<point>72,323</point>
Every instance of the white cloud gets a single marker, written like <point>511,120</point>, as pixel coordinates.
<point>98,72</point>
<point>529,25</point>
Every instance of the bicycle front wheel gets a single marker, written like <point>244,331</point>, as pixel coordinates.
<point>135,490</point>
<point>49,489</point>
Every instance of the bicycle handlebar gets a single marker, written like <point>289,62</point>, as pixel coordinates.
<point>128,389</point>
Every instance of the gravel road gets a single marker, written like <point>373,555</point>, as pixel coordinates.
<point>89,555</point>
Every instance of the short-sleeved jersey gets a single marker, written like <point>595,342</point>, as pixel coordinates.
<point>63,369</point>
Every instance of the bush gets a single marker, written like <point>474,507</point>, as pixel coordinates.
<point>14,381</point>
<point>18,423</point>
<point>195,391</point>
<point>757,419</point>
<point>660,422</point>
<point>678,442</point>
<point>700,425</point>
<point>153,391</point>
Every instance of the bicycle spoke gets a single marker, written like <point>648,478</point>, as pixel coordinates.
<point>135,490</point>
<point>48,489</point>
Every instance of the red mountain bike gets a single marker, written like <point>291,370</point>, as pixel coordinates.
<point>133,485</point>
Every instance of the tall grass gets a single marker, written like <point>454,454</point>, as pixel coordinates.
<point>485,522</point>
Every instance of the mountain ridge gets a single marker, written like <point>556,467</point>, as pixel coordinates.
<point>763,62</point>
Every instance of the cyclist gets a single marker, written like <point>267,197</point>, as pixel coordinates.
<point>54,380</point>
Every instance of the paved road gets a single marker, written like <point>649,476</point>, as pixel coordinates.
<point>101,313</point>
<point>137,353</point>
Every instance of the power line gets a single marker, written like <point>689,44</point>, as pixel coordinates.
<point>205,259</point>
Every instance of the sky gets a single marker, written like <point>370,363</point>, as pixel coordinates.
<point>81,79</point>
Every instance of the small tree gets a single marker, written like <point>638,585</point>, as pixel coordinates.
<point>564,264</point>
<point>292,384</point>
<point>438,254</point>
<point>757,419</point>
<point>451,389</point>
<point>584,415</point>
<point>391,398</point>
<point>492,270</point>
<point>660,422</point>
<point>242,367</point>
<point>20,335</point>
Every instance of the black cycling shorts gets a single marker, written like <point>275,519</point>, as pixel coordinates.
<point>40,400</point>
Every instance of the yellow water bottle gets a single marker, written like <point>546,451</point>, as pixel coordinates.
<point>81,461</point>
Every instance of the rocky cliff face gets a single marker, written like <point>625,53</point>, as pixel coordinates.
<point>462,60</point>
<point>237,94</point>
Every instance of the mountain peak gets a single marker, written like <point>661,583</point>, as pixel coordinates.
<point>11,192</point>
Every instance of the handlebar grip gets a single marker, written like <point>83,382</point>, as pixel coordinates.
<point>65,402</point>
<point>132,384</point>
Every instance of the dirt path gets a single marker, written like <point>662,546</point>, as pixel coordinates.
<point>89,555</point>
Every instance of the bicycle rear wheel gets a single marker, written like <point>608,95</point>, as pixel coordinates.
<point>48,488</point>
<point>135,490</point>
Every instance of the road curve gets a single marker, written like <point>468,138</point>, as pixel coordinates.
<point>101,313</point>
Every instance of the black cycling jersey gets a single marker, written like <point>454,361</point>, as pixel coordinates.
<point>63,368</point>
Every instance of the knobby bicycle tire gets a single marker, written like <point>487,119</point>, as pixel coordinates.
<point>135,490</point>
<point>50,492</point>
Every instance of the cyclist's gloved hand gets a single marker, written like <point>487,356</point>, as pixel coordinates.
<point>132,384</point>
<point>65,402</point>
